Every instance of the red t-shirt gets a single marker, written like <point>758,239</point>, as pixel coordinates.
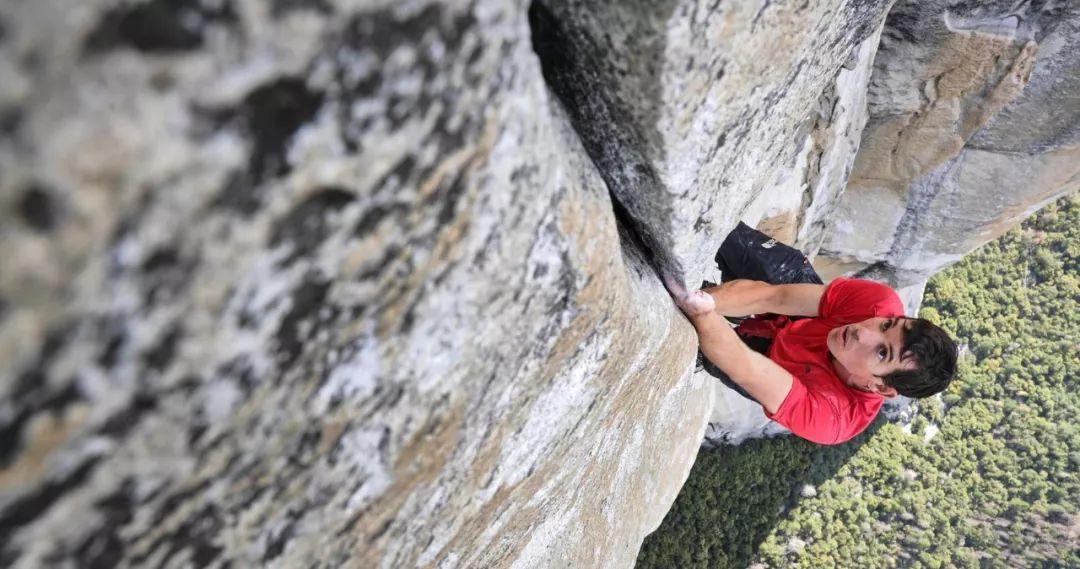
<point>820,407</point>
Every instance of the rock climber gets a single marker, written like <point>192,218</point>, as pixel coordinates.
<point>830,355</point>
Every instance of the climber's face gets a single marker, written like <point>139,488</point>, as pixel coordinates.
<point>867,351</point>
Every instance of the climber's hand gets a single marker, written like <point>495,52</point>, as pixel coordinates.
<point>762,378</point>
<point>695,303</point>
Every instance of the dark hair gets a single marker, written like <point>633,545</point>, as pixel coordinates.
<point>935,354</point>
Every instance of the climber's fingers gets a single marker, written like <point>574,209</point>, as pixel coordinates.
<point>693,303</point>
<point>697,303</point>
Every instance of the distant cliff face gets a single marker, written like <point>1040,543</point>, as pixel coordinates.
<point>973,126</point>
<point>376,284</point>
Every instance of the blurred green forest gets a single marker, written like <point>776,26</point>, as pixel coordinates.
<point>985,475</point>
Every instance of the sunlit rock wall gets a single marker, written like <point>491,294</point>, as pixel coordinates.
<point>692,110</point>
<point>974,125</point>
<point>300,284</point>
<point>798,205</point>
<point>375,284</point>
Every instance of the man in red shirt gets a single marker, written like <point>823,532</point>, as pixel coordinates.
<point>825,376</point>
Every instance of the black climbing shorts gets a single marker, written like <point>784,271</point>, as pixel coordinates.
<point>747,253</point>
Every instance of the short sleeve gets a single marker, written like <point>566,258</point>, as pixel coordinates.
<point>853,300</point>
<point>809,415</point>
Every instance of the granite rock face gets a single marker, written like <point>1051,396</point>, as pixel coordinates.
<point>300,284</point>
<point>800,202</point>
<point>376,284</point>
<point>691,110</point>
<point>973,126</point>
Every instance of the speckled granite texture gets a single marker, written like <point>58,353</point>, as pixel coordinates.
<point>319,284</point>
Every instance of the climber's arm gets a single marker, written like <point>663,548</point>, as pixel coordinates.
<point>745,297</point>
<point>762,378</point>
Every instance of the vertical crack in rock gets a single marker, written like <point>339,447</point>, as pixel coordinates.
<point>606,132</point>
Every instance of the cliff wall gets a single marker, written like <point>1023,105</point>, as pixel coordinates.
<point>973,127</point>
<point>378,284</point>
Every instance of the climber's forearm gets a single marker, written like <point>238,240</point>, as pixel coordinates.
<point>763,379</point>
<point>745,297</point>
<point>718,342</point>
